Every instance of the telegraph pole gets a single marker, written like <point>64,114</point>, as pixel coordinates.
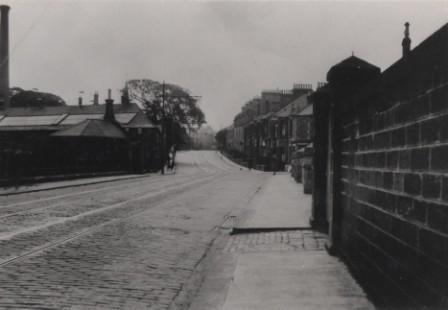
<point>163,129</point>
<point>164,120</point>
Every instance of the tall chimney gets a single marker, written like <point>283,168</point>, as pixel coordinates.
<point>406,43</point>
<point>4,55</point>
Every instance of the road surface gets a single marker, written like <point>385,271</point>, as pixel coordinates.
<point>128,244</point>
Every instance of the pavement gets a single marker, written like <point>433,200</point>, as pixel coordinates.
<point>22,189</point>
<point>286,269</point>
<point>280,204</point>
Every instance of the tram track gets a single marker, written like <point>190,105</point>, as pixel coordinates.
<point>129,184</point>
<point>75,197</point>
<point>124,245</point>
<point>125,214</point>
<point>101,207</point>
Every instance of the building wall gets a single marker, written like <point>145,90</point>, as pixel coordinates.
<point>392,190</point>
<point>302,128</point>
<point>26,154</point>
<point>238,138</point>
<point>229,138</point>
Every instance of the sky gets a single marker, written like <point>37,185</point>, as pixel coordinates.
<point>225,52</point>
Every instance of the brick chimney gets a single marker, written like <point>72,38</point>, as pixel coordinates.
<point>301,89</point>
<point>125,97</point>
<point>109,114</point>
<point>96,98</point>
<point>406,43</point>
<point>4,55</point>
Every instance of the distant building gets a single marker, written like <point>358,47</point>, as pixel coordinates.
<point>203,138</point>
<point>267,135</point>
<point>291,128</point>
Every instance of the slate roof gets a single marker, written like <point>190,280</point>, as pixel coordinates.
<point>307,111</point>
<point>350,66</point>
<point>70,109</point>
<point>295,107</point>
<point>53,118</point>
<point>92,128</point>
<point>264,116</point>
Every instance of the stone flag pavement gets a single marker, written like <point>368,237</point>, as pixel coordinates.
<point>280,204</point>
<point>279,268</point>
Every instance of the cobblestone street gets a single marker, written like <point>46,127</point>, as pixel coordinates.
<point>130,244</point>
<point>296,240</point>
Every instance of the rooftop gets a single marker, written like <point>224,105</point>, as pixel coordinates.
<point>295,107</point>
<point>34,118</point>
<point>92,128</point>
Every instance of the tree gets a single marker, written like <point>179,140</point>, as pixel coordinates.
<point>221,139</point>
<point>168,105</point>
<point>167,101</point>
<point>31,98</point>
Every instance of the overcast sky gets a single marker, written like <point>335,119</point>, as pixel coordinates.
<point>226,52</point>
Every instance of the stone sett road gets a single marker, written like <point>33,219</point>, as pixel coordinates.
<point>129,244</point>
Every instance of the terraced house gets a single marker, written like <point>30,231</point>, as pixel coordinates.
<point>266,137</point>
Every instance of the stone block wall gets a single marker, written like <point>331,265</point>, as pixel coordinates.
<point>394,174</point>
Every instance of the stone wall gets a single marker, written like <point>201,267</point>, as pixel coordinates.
<point>393,182</point>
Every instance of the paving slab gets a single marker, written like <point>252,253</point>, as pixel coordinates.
<point>280,204</point>
<point>293,280</point>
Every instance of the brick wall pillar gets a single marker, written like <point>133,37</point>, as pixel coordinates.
<point>321,102</point>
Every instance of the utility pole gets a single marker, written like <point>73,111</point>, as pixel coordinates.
<point>164,118</point>
<point>163,130</point>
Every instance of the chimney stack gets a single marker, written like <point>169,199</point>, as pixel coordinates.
<point>80,101</point>
<point>96,98</point>
<point>406,43</point>
<point>4,55</point>
<point>124,97</point>
<point>109,114</point>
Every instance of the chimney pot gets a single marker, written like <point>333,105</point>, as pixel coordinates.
<point>109,114</point>
<point>95,98</point>
<point>406,43</point>
<point>124,97</point>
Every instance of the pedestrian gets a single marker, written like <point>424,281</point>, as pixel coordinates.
<point>274,164</point>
